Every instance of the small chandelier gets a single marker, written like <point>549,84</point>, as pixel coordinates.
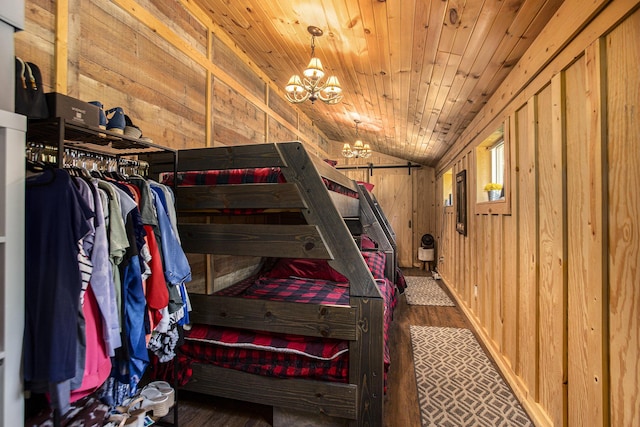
<point>311,87</point>
<point>359,150</point>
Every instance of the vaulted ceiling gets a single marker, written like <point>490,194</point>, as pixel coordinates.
<point>414,72</point>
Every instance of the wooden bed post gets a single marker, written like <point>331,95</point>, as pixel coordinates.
<point>366,354</point>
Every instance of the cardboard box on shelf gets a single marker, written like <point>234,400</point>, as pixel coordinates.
<point>73,110</point>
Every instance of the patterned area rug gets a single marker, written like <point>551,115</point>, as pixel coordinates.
<point>457,384</point>
<point>423,290</point>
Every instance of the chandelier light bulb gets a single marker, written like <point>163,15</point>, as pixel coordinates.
<point>294,84</point>
<point>314,70</point>
<point>346,150</point>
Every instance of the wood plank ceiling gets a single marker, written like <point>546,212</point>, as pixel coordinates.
<point>414,72</point>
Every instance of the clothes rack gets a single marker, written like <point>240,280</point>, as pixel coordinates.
<point>58,143</point>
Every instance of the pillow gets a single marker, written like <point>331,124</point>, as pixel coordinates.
<point>375,261</point>
<point>307,268</point>
<point>367,185</point>
<point>367,243</point>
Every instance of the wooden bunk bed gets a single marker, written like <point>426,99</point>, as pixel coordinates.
<point>323,234</point>
<point>373,222</point>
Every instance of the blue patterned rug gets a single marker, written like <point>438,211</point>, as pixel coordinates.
<point>457,383</point>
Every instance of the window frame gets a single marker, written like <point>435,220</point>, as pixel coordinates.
<point>503,205</point>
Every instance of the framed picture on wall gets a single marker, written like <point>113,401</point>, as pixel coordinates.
<point>461,202</point>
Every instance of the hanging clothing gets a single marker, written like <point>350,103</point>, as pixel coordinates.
<point>107,265</point>
<point>97,362</point>
<point>57,219</point>
<point>102,277</point>
<point>118,242</point>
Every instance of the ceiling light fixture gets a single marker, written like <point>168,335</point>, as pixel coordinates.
<point>311,86</point>
<point>359,150</point>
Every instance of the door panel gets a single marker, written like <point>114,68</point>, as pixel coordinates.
<point>393,189</point>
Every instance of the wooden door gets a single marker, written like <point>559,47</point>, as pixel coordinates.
<point>393,189</point>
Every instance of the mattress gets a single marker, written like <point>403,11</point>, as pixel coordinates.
<point>279,355</point>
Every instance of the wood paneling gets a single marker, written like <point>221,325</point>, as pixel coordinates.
<point>424,212</point>
<point>137,54</point>
<point>180,20</point>
<point>148,73</point>
<point>36,43</point>
<point>623,211</point>
<point>511,245</point>
<point>285,110</point>
<point>527,197</point>
<point>227,60</point>
<point>236,120</point>
<point>568,304</point>
<point>393,191</point>
<point>585,247</point>
<point>551,245</point>
<point>279,133</point>
<point>157,60</point>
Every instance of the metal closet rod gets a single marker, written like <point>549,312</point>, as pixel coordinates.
<point>371,167</point>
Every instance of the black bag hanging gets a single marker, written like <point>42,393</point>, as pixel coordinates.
<point>29,97</point>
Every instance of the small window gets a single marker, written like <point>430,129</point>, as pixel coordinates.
<point>447,188</point>
<point>490,163</point>
<point>492,183</point>
<point>497,163</point>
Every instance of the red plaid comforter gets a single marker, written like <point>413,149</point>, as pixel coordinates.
<point>243,176</point>
<point>279,355</point>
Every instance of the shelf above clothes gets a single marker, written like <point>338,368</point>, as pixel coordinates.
<point>60,133</point>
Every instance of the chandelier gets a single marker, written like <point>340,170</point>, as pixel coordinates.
<point>311,86</point>
<point>359,150</point>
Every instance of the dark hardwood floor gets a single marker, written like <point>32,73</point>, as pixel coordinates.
<point>401,401</point>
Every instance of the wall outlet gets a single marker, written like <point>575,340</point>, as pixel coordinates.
<point>475,291</point>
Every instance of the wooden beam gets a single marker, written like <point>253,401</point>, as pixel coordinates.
<point>586,228</point>
<point>333,174</point>
<point>208,109</point>
<point>233,157</point>
<point>287,241</point>
<point>333,399</point>
<point>61,46</point>
<point>335,234</point>
<point>202,198</point>
<point>315,320</point>
<point>366,361</point>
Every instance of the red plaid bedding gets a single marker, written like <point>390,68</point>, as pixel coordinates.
<point>227,176</point>
<point>376,262</point>
<point>243,176</point>
<point>279,355</point>
<point>262,353</point>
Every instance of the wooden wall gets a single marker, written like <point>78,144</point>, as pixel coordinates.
<point>408,199</point>
<point>178,77</point>
<point>553,285</point>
